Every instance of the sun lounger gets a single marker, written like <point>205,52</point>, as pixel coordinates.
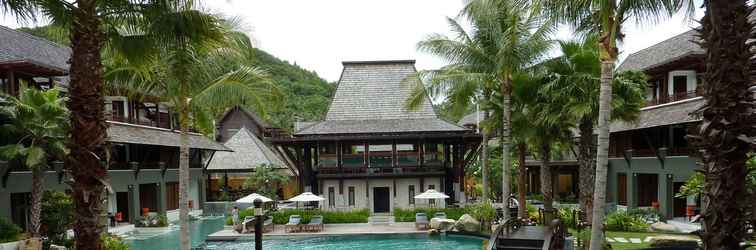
<point>440,215</point>
<point>268,225</point>
<point>421,221</point>
<point>294,224</point>
<point>248,225</point>
<point>315,225</point>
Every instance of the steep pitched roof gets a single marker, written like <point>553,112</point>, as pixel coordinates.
<point>17,46</point>
<point>248,152</point>
<point>370,98</point>
<point>669,50</point>
<point>660,115</point>
<point>137,134</point>
<point>471,119</point>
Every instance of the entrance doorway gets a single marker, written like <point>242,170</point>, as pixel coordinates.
<point>381,200</point>
<point>622,189</point>
<point>679,204</point>
<point>122,205</point>
<point>148,196</point>
<point>20,205</point>
<point>648,189</point>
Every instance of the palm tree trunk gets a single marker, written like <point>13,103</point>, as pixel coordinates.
<point>587,169</point>
<point>506,139</point>
<point>36,202</point>
<point>547,184</point>
<point>88,127</point>
<point>728,117</point>
<point>602,152</point>
<point>484,159</point>
<point>185,242</point>
<point>522,212</point>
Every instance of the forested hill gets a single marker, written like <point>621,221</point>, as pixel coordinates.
<point>306,94</point>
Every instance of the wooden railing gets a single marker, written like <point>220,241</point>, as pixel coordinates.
<point>672,98</point>
<point>143,122</point>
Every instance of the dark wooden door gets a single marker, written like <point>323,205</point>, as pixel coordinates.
<point>381,200</point>
<point>122,205</point>
<point>622,189</point>
<point>680,86</point>
<point>172,195</point>
<point>648,189</point>
<point>148,196</point>
<point>680,203</point>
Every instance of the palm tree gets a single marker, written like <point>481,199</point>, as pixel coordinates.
<point>726,133</point>
<point>606,19</point>
<point>197,65</point>
<point>574,81</point>
<point>86,21</point>
<point>39,119</point>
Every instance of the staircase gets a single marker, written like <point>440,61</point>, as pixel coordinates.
<point>381,220</point>
<point>518,244</point>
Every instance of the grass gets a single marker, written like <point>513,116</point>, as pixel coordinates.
<point>628,235</point>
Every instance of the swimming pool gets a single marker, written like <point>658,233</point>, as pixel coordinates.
<point>169,240</point>
<point>361,242</point>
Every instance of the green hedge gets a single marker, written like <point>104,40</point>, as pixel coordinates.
<point>624,222</point>
<point>282,216</point>
<point>9,232</point>
<point>408,215</point>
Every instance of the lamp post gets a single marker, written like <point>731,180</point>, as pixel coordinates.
<point>258,223</point>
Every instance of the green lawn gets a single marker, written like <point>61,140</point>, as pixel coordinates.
<point>628,235</point>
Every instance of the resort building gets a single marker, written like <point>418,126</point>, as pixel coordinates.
<point>143,164</point>
<point>650,159</point>
<point>247,135</point>
<point>371,152</point>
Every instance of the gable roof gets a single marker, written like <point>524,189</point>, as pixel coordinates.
<point>248,152</point>
<point>20,47</point>
<point>666,114</point>
<point>252,115</point>
<point>370,98</point>
<point>672,49</point>
<point>137,134</point>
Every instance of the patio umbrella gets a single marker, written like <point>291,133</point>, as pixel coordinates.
<point>251,198</point>
<point>306,197</point>
<point>431,194</point>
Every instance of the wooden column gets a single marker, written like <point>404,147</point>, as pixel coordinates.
<point>339,156</point>
<point>12,83</point>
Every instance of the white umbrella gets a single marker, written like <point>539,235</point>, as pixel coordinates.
<point>431,194</point>
<point>252,197</point>
<point>306,197</point>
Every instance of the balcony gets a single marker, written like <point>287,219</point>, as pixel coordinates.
<point>673,98</point>
<point>355,172</point>
<point>139,121</point>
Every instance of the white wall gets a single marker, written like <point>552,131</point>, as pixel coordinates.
<point>691,83</point>
<point>365,200</point>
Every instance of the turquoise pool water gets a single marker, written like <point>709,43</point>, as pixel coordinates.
<point>199,230</point>
<point>384,242</point>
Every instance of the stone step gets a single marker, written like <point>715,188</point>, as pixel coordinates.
<point>379,219</point>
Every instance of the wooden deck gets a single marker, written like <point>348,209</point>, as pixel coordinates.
<point>527,233</point>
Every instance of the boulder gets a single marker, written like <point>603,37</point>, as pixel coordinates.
<point>56,247</point>
<point>30,244</point>
<point>663,227</point>
<point>467,223</point>
<point>673,241</point>
<point>442,224</point>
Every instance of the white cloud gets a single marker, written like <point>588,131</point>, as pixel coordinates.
<point>319,34</point>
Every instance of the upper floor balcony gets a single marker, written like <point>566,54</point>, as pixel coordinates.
<point>153,114</point>
<point>678,96</point>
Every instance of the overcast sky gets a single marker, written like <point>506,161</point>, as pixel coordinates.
<point>319,34</point>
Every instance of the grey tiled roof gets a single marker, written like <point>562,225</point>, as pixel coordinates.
<point>381,126</point>
<point>665,114</point>
<point>370,98</point>
<point>664,52</point>
<point>20,46</point>
<point>248,152</point>
<point>136,134</point>
<point>471,119</point>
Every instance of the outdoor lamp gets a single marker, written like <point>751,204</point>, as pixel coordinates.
<point>258,223</point>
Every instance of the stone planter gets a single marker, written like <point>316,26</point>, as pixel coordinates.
<point>152,230</point>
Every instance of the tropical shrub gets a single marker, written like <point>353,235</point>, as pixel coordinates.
<point>266,180</point>
<point>568,217</point>
<point>57,216</point>
<point>154,221</point>
<point>622,221</point>
<point>329,217</point>
<point>484,211</point>
<point>9,232</point>
<point>649,215</point>
<point>112,242</point>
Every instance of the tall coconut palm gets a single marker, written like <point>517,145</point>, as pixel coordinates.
<point>606,19</point>
<point>39,119</point>
<point>726,134</point>
<point>574,81</point>
<point>197,65</point>
<point>85,20</point>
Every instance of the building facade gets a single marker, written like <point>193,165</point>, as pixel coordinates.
<point>371,152</point>
<point>143,164</point>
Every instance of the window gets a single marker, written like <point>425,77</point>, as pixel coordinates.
<point>331,197</point>
<point>432,201</point>
<point>351,196</point>
<point>411,194</point>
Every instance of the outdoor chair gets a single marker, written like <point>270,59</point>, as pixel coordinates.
<point>315,225</point>
<point>440,215</point>
<point>421,221</point>
<point>294,224</point>
<point>248,225</point>
<point>268,225</point>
